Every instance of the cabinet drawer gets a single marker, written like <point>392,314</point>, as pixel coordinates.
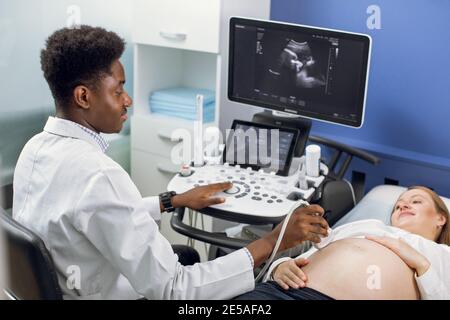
<point>151,173</point>
<point>192,25</point>
<point>153,134</point>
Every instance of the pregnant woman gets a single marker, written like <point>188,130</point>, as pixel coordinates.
<point>370,260</point>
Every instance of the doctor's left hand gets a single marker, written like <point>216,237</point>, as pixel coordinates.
<point>201,197</point>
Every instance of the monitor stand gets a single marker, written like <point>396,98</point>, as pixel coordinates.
<point>288,121</point>
<point>282,114</point>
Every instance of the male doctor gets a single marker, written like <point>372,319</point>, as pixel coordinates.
<point>87,210</point>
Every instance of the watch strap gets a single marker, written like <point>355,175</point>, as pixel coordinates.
<point>166,200</point>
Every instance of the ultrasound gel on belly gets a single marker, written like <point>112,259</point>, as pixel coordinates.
<point>324,241</point>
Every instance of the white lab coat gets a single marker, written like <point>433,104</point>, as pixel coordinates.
<point>100,231</point>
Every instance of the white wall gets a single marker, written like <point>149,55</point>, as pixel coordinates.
<point>24,26</point>
<point>26,100</point>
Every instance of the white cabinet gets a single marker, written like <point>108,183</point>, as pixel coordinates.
<point>160,67</point>
<point>153,134</point>
<point>155,172</point>
<point>184,24</point>
<point>176,43</point>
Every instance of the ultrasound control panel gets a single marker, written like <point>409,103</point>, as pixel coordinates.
<point>256,193</point>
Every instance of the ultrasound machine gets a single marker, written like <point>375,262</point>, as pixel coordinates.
<point>296,73</point>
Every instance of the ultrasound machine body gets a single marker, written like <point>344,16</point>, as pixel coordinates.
<point>328,72</point>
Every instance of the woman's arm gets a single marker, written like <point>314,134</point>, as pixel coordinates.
<point>408,254</point>
<point>432,272</point>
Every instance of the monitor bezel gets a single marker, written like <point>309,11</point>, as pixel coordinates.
<point>364,38</point>
<point>292,146</point>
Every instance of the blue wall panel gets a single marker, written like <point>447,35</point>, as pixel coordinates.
<point>408,105</point>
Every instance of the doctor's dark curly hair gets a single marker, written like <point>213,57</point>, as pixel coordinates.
<point>78,56</point>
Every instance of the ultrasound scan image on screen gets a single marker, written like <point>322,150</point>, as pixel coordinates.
<point>316,73</point>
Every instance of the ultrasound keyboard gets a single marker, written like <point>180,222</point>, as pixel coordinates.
<point>256,193</point>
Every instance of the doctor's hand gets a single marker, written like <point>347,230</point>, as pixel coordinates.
<point>408,254</point>
<point>306,223</point>
<point>289,274</point>
<point>201,197</point>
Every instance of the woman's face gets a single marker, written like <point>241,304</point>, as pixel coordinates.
<point>415,212</point>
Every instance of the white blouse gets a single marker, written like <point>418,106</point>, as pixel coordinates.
<point>433,284</point>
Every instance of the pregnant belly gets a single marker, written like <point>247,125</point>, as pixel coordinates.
<point>360,269</point>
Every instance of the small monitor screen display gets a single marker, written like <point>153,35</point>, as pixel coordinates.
<point>312,72</point>
<point>260,146</point>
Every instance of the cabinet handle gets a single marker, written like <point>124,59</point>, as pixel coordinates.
<point>167,136</point>
<point>165,169</point>
<point>176,36</point>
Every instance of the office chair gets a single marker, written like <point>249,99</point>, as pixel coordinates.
<point>186,255</point>
<point>31,272</point>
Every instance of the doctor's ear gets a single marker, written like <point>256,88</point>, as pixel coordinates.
<point>81,96</point>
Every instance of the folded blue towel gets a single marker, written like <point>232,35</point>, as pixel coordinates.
<point>190,115</point>
<point>207,116</point>
<point>158,107</point>
<point>186,96</point>
<point>178,107</point>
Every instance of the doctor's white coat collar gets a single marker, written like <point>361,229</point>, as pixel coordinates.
<point>70,129</point>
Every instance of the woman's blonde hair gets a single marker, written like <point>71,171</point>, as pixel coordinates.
<point>441,208</point>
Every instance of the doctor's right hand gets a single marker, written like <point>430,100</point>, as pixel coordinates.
<point>290,274</point>
<point>306,223</point>
<point>201,197</point>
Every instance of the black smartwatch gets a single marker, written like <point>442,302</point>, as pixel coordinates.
<point>166,200</point>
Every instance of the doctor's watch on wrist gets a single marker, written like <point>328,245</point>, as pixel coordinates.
<point>166,200</point>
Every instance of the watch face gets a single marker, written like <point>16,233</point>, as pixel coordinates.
<point>166,194</point>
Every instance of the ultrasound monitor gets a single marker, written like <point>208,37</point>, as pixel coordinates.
<point>300,70</point>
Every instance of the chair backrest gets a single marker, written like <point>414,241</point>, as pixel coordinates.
<point>31,273</point>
